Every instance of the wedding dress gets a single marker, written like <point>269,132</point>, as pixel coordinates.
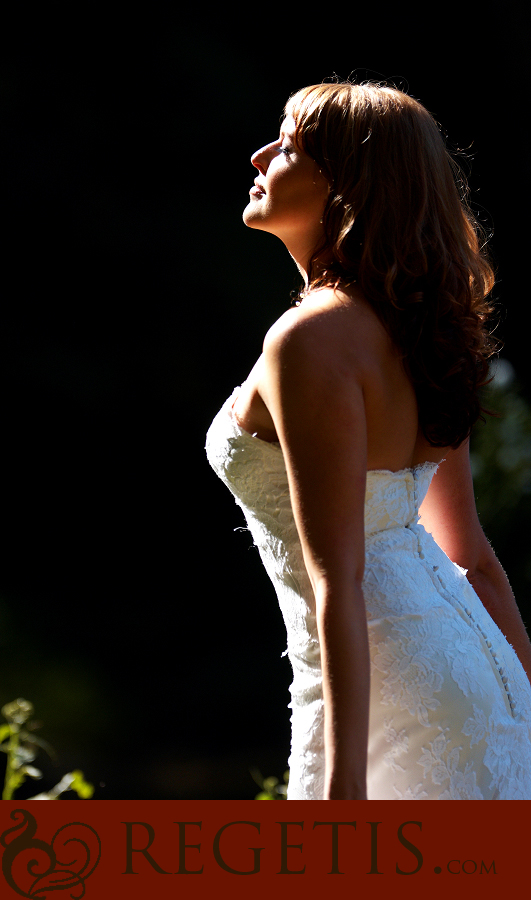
<point>450,705</point>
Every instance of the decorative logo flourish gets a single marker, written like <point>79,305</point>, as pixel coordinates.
<point>33,868</point>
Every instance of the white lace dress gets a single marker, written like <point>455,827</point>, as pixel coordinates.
<point>450,713</point>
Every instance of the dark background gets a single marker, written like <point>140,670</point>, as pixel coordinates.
<point>133,616</point>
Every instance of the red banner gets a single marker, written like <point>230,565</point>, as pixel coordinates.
<point>107,850</point>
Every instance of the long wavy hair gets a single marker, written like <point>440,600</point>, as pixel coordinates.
<point>397,222</point>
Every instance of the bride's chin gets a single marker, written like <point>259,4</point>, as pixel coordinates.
<point>251,217</point>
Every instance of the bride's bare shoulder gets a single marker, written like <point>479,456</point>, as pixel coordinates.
<point>327,322</point>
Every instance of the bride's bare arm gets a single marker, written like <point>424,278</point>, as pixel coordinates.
<point>449,513</point>
<point>318,411</point>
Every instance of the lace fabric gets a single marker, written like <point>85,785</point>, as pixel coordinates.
<point>450,713</point>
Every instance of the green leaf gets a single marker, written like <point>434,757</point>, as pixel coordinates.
<point>83,788</point>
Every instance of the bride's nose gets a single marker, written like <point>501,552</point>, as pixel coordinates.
<point>260,159</point>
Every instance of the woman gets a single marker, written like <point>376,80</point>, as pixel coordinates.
<point>404,687</point>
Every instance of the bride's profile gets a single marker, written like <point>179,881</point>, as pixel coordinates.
<point>347,449</point>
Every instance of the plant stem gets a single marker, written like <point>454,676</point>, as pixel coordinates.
<point>11,767</point>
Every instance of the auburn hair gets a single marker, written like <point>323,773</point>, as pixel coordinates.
<point>397,222</point>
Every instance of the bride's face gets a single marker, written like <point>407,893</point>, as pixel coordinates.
<point>289,193</point>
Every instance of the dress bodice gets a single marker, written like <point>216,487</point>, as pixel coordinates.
<point>254,471</point>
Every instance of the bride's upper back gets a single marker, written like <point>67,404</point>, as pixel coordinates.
<point>349,344</point>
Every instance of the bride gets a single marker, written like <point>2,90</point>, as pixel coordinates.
<point>352,424</point>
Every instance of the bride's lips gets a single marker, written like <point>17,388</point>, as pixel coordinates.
<point>257,190</point>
